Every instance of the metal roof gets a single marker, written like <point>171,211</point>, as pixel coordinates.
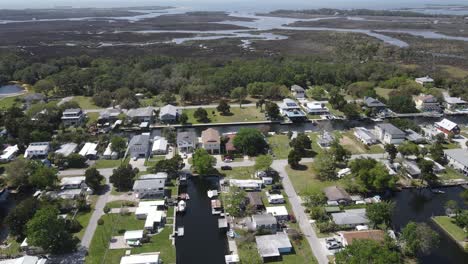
<point>459,155</point>
<point>351,217</point>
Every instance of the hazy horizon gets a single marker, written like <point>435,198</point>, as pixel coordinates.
<point>231,5</point>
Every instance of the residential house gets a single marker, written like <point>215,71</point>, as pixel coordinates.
<point>187,141</point>
<point>316,108</point>
<point>142,258</point>
<point>374,104</point>
<point>73,187</point>
<point>458,159</point>
<point>255,200</point>
<point>141,115</point>
<point>337,195</point>
<point>297,91</point>
<point>265,222</point>
<point>232,259</point>
<point>159,146</point>
<point>280,212</point>
<point>168,114</point>
<point>25,260</point>
<point>365,136</point>
<point>325,139</point>
<point>73,117</point>
<point>427,103</point>
<point>447,127</point>
<point>139,146</point>
<point>9,153</point>
<point>389,134</point>
<point>149,187</point>
<point>146,207</point>
<point>275,198</point>
<point>412,136</point>
<point>109,115</point>
<point>37,150</point>
<point>229,146</point>
<point>350,218</point>
<point>424,80</point>
<point>211,141</point>
<point>348,237</point>
<point>89,150</point>
<point>109,154</point>
<point>155,220</point>
<point>67,149</point>
<point>251,185</point>
<point>290,109</point>
<point>455,104</point>
<point>272,246</point>
<point>133,237</point>
<point>412,168</point>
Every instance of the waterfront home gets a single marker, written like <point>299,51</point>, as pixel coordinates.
<point>133,237</point>
<point>389,134</point>
<point>252,185</point>
<point>108,115</point>
<point>348,237</point>
<point>145,207</point>
<point>337,195</point>
<point>455,104</point>
<point>350,218</point>
<point>187,141</point>
<point>109,154</point>
<point>154,220</point>
<point>325,139</point>
<point>73,117</point>
<point>290,109</point>
<point>9,153</point>
<point>438,168</point>
<point>272,246</point>
<point>279,212</point>
<point>424,80</point>
<point>142,258</point>
<point>255,200</point>
<point>67,149</point>
<point>37,150</point>
<point>297,91</point>
<point>73,187</point>
<point>374,104</point>
<point>316,108</point>
<point>275,198</point>
<point>427,103</point>
<point>412,136</point>
<point>412,168</point>
<point>89,150</point>
<point>458,159</point>
<point>365,136</point>
<point>148,187</point>
<point>29,249</point>
<point>139,146</point>
<point>25,260</point>
<point>211,141</point>
<point>232,259</point>
<point>264,222</point>
<point>145,114</point>
<point>168,114</point>
<point>447,127</point>
<point>159,146</point>
<point>229,146</point>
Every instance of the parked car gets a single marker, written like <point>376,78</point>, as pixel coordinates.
<point>227,160</point>
<point>226,168</point>
<point>334,245</point>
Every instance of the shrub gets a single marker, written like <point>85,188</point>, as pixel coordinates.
<point>106,209</point>
<point>100,221</point>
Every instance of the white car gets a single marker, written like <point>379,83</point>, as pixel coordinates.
<point>228,160</point>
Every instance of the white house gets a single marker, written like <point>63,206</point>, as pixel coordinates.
<point>142,258</point>
<point>9,153</point>
<point>133,237</point>
<point>365,136</point>
<point>290,109</point>
<point>168,114</point>
<point>280,212</point>
<point>186,141</point>
<point>424,80</point>
<point>109,154</point>
<point>297,91</point>
<point>455,104</point>
<point>316,108</point>
<point>351,217</point>
<point>264,222</point>
<point>37,149</point>
<point>73,117</point>
<point>67,149</point>
<point>275,198</point>
<point>447,127</point>
<point>211,141</point>
<point>146,207</point>
<point>147,187</point>
<point>89,150</point>
<point>159,146</point>
<point>154,220</point>
<point>272,246</point>
<point>247,184</point>
<point>25,260</point>
<point>389,134</point>
<point>458,159</point>
<point>73,187</point>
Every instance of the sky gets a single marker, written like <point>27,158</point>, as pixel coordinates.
<point>228,4</point>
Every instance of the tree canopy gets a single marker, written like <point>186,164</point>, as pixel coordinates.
<point>263,162</point>
<point>93,178</point>
<point>123,177</point>
<point>369,175</point>
<point>367,251</point>
<point>419,239</point>
<point>202,161</point>
<point>380,213</point>
<point>250,141</point>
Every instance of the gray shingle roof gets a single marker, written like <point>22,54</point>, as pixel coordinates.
<point>350,217</point>
<point>372,102</point>
<point>460,155</point>
<point>168,110</point>
<point>264,219</point>
<point>391,129</point>
<point>149,184</point>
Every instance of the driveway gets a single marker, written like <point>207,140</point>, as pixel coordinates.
<point>139,163</point>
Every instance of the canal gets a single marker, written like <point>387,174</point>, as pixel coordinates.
<point>202,241</point>
<point>419,206</point>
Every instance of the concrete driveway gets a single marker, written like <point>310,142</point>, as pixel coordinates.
<point>139,163</point>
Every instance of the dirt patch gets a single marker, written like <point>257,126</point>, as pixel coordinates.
<point>352,145</point>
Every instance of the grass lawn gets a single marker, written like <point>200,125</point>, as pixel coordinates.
<point>279,144</point>
<point>83,217</point>
<point>152,161</point>
<point>238,173</point>
<point>92,117</point>
<point>349,141</point>
<point>451,145</point>
<point>450,227</point>
<point>305,181</point>
<point>333,110</point>
<point>120,203</point>
<point>455,72</point>
<point>244,114</point>
<point>85,102</point>
<point>383,92</point>
<point>116,225</point>
<point>13,250</point>
<point>450,174</point>
<point>103,163</point>
<point>8,102</point>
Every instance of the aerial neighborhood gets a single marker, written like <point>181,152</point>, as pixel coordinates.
<point>147,158</point>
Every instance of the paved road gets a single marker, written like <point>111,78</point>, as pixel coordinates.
<point>65,99</point>
<point>301,217</point>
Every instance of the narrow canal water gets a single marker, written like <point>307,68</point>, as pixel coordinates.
<point>202,241</point>
<point>419,206</point>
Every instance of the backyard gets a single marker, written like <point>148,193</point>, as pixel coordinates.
<point>238,173</point>
<point>244,114</point>
<point>85,102</point>
<point>447,224</point>
<point>349,141</point>
<point>103,163</point>
<point>305,181</point>
<point>279,145</point>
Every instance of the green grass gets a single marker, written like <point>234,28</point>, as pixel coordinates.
<point>450,227</point>
<point>450,174</point>
<point>13,249</point>
<point>103,163</point>
<point>351,143</point>
<point>116,225</point>
<point>451,145</point>
<point>120,203</point>
<point>83,217</point>
<point>92,118</point>
<point>383,92</point>
<point>333,110</point>
<point>8,102</point>
<point>85,102</point>
<point>455,72</point>
<point>152,161</point>
<point>279,144</point>
<point>238,173</point>
<point>244,114</point>
<point>306,182</point>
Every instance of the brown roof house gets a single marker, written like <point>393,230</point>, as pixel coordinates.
<point>230,148</point>
<point>255,200</point>
<point>347,238</point>
<point>211,140</point>
<point>337,195</point>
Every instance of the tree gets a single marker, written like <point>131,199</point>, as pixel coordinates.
<point>391,150</point>
<point>170,134</point>
<point>43,177</point>
<point>44,86</point>
<point>418,239</point>
<point>93,178</point>
<point>408,148</point>
<point>103,99</point>
<point>48,231</point>
<point>250,141</point>
<point>272,110</point>
<point>317,92</point>
<point>235,201</point>
<point>451,207</point>
<point>19,216</point>
<point>223,107</point>
<point>168,98</point>
<point>301,143</point>
<point>75,160</point>
<point>340,154</point>
<point>380,213</point>
<point>201,115</point>
<point>427,171</point>
<point>325,166</point>
<point>17,173</point>
<point>123,177</point>
<point>368,175</point>
<point>239,93</point>
<point>464,196</point>
<point>202,161</point>
<point>118,144</point>
<point>294,157</point>
<point>402,104</point>
<point>367,251</point>
<point>263,162</point>
<point>437,153</point>
<point>183,119</point>
<point>169,166</point>
<point>351,111</point>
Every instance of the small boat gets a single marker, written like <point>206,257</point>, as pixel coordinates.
<point>180,231</point>
<point>181,206</point>
<point>212,193</point>
<point>437,191</point>
<point>231,233</point>
<point>184,196</point>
